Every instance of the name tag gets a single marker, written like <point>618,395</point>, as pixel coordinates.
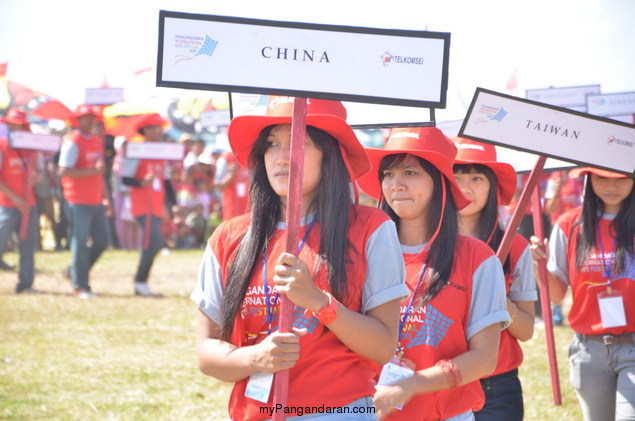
<point>259,386</point>
<point>392,372</point>
<point>612,309</point>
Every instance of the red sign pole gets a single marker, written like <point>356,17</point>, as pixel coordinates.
<point>545,302</point>
<point>293,215</point>
<point>532,188</point>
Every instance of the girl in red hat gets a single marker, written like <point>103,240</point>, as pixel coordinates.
<point>150,190</point>
<point>591,250</point>
<point>346,283</point>
<point>450,324</point>
<point>489,184</point>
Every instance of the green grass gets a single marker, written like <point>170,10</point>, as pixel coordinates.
<point>121,357</point>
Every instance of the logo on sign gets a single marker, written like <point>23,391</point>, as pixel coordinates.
<point>612,140</point>
<point>388,58</point>
<point>487,113</point>
<point>194,45</point>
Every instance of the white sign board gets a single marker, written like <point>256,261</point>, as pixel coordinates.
<point>396,67</point>
<point>572,97</point>
<point>550,131</point>
<point>610,105</point>
<point>359,115</point>
<point>103,96</point>
<point>155,150</point>
<point>215,118</point>
<point>33,141</point>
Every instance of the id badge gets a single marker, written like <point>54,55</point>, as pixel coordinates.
<point>394,371</point>
<point>611,309</point>
<point>259,386</point>
<point>241,189</point>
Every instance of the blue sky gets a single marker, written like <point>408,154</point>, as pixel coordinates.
<point>62,47</point>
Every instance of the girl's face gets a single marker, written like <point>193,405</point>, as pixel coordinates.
<point>475,186</point>
<point>277,160</point>
<point>612,191</point>
<point>408,189</point>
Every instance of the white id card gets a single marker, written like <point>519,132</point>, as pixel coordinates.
<point>392,372</point>
<point>259,386</point>
<point>612,309</point>
<point>156,184</point>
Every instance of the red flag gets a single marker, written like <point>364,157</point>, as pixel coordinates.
<point>512,83</point>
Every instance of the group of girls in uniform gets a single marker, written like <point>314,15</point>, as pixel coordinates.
<point>402,312</point>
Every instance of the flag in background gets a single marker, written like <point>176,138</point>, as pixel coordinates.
<point>512,83</point>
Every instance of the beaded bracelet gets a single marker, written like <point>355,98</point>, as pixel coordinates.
<point>451,371</point>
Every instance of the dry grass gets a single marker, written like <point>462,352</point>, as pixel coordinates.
<point>120,357</point>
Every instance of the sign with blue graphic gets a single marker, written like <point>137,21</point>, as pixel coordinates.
<point>394,67</point>
<point>550,131</point>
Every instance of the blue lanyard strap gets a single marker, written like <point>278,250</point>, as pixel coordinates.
<point>264,276</point>
<point>607,267</point>
<point>402,321</point>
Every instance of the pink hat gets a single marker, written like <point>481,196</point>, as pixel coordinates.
<point>329,116</point>
<point>428,143</point>
<point>473,152</point>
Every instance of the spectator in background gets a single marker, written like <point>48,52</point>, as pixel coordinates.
<point>232,180</point>
<point>44,196</point>
<point>17,199</point>
<point>82,166</point>
<point>197,224</point>
<point>150,188</point>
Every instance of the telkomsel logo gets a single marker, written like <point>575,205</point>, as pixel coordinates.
<point>388,58</point>
<point>612,140</point>
<point>194,46</point>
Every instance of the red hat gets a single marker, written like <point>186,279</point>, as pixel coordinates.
<point>329,116</point>
<point>428,143</point>
<point>577,172</point>
<point>16,116</point>
<point>147,120</point>
<point>473,152</point>
<point>85,109</point>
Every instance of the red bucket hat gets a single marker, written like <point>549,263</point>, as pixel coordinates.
<point>472,152</point>
<point>329,116</point>
<point>153,119</point>
<point>428,143</point>
<point>85,109</point>
<point>16,116</point>
<point>577,172</point>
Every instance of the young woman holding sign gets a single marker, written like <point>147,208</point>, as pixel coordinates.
<point>591,250</point>
<point>450,324</point>
<point>488,184</point>
<point>346,283</point>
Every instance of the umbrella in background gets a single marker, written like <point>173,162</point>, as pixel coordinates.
<point>121,118</point>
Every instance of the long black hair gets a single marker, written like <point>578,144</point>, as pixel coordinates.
<point>332,204</point>
<point>489,230</point>
<point>622,226</point>
<point>441,255</point>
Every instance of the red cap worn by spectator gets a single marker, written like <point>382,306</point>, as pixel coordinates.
<point>472,152</point>
<point>152,119</point>
<point>16,116</point>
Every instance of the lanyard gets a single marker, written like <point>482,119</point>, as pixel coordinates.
<point>402,321</point>
<point>607,267</point>
<point>264,276</point>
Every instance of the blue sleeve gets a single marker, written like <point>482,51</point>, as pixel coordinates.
<point>489,301</point>
<point>129,167</point>
<point>523,286</point>
<point>69,152</point>
<point>208,292</point>
<point>386,272</point>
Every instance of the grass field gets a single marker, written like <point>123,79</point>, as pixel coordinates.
<point>121,357</point>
